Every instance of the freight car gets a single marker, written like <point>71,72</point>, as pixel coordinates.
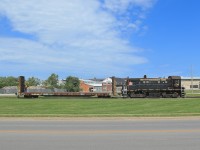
<point>153,87</point>
<point>22,92</point>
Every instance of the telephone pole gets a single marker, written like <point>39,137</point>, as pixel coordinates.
<point>192,78</point>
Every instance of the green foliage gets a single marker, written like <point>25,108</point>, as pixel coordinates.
<point>72,84</point>
<point>52,81</point>
<point>32,81</point>
<point>8,81</point>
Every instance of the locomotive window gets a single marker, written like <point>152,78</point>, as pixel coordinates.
<point>177,81</point>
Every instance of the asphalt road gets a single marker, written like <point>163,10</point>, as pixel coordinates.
<point>96,134</point>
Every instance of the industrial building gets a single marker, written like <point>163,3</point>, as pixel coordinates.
<point>101,85</point>
<point>91,85</point>
<point>191,83</point>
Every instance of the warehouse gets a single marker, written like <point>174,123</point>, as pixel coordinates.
<point>191,83</point>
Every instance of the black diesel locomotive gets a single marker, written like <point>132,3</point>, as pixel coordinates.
<point>153,87</point>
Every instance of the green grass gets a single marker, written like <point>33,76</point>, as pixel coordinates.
<point>192,91</point>
<point>77,107</point>
<point>192,95</point>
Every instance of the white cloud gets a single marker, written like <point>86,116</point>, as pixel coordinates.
<point>129,12</point>
<point>123,5</point>
<point>71,35</point>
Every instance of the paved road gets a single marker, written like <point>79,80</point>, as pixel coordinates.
<point>118,134</point>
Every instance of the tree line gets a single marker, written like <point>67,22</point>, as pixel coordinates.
<point>71,84</point>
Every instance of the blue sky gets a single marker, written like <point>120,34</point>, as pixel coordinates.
<point>99,38</point>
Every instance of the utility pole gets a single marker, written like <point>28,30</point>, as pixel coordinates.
<point>192,78</point>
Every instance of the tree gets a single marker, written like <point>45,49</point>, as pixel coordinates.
<point>2,82</point>
<point>52,81</point>
<point>8,81</point>
<point>72,84</point>
<point>32,81</point>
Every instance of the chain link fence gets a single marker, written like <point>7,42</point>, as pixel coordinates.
<point>14,89</point>
<point>8,90</point>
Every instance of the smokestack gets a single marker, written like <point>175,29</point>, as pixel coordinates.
<point>145,76</point>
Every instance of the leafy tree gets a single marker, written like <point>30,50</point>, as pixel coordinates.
<point>12,81</point>
<point>32,81</point>
<point>2,82</point>
<point>8,81</point>
<point>72,84</point>
<point>52,81</point>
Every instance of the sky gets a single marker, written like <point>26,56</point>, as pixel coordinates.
<point>99,38</point>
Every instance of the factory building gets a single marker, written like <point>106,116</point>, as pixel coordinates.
<point>191,83</point>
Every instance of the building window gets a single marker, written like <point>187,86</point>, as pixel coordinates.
<point>194,86</point>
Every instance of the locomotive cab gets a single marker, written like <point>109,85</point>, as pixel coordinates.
<point>175,85</point>
<point>175,82</point>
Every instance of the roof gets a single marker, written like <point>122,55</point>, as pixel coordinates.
<point>174,77</point>
<point>95,85</point>
<point>91,82</point>
<point>189,78</point>
<point>97,80</point>
<point>107,80</point>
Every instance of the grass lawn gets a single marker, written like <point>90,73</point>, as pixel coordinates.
<point>96,107</point>
<point>194,93</point>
